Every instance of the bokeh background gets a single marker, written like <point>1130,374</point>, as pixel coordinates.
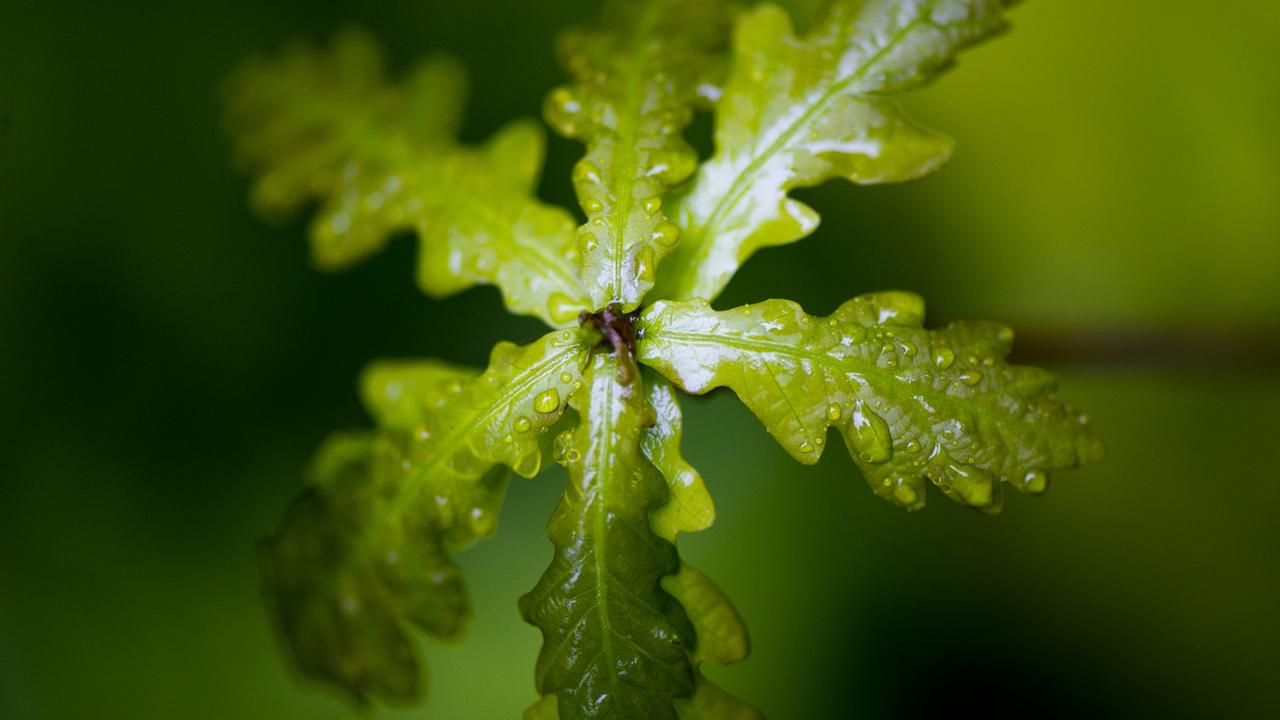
<point>168,363</point>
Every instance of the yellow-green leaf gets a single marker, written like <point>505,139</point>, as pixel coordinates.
<point>635,77</point>
<point>688,507</point>
<point>363,552</point>
<point>345,574</point>
<point>912,404</point>
<point>614,641</point>
<point>798,111</point>
<point>382,158</point>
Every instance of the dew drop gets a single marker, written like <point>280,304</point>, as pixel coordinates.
<point>586,173</point>
<point>972,485</point>
<point>593,207</point>
<point>666,234</point>
<point>587,241</point>
<point>943,358</point>
<point>561,307</point>
<point>566,377</point>
<point>868,435</point>
<point>971,377</point>
<point>834,412</point>
<point>644,265</point>
<point>1035,482</point>
<point>548,401</point>
<point>806,447</point>
<point>522,424</point>
<point>652,205</point>
<point>562,110</point>
<point>528,464</point>
<point>905,495</point>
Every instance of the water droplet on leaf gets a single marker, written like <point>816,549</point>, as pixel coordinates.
<point>547,401</point>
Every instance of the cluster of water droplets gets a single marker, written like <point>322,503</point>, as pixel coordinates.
<point>635,150</point>
<point>913,405</point>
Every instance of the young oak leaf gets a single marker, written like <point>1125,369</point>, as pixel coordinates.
<point>501,416</point>
<point>635,79</point>
<point>911,403</point>
<point>383,159</point>
<point>719,632</point>
<point>721,639</point>
<point>797,112</point>
<point>344,576</point>
<point>614,641</point>
<point>688,507</point>
<point>364,551</point>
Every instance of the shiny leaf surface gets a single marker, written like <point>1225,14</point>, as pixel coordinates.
<point>626,625</point>
<point>796,112</point>
<point>719,630</point>
<point>614,641</point>
<point>636,76</point>
<point>363,552</point>
<point>688,507</point>
<point>382,158</point>
<point>912,404</point>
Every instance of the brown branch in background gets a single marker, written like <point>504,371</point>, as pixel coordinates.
<point>1151,348</point>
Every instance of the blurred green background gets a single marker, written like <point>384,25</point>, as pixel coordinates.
<point>169,362</point>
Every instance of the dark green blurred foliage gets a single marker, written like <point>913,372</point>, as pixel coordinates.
<point>169,365</point>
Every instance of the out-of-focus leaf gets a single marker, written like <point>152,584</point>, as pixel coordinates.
<point>911,403</point>
<point>722,639</point>
<point>382,158</point>
<point>363,552</point>
<point>345,573</point>
<point>721,635</point>
<point>636,76</point>
<point>614,641</point>
<point>797,112</point>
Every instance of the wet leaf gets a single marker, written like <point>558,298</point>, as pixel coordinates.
<point>636,76</point>
<point>614,641</point>
<point>798,111</point>
<point>912,404</point>
<point>363,553</point>
<point>382,158</point>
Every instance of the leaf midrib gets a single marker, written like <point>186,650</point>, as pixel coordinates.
<point>765,346</point>
<point>626,154</point>
<point>740,184</point>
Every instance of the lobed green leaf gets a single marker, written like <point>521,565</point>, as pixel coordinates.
<point>715,632</point>
<point>614,641</point>
<point>345,575</point>
<point>364,552</point>
<point>383,159</point>
<point>688,507</point>
<point>912,404</point>
<point>720,633</point>
<point>798,111</point>
<point>635,79</point>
